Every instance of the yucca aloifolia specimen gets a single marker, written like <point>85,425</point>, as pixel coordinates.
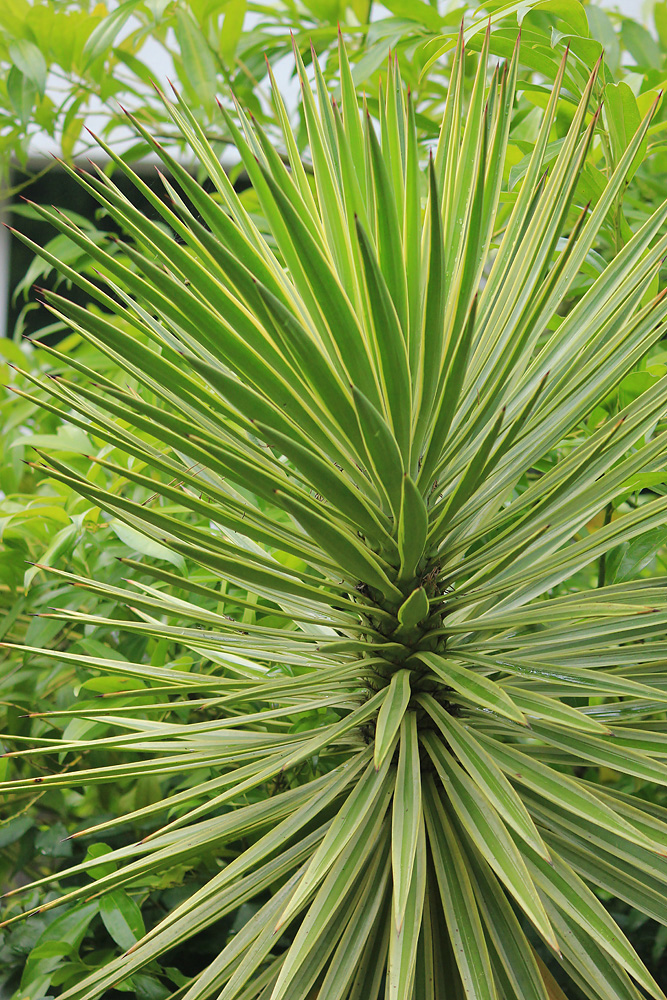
<point>340,417</point>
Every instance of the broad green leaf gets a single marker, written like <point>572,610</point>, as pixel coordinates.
<point>605,753</point>
<point>413,609</point>
<point>28,58</point>
<point>104,35</point>
<point>382,448</point>
<point>146,546</point>
<point>582,907</point>
<point>358,933</point>
<point>374,787</point>
<point>458,900</point>
<point>486,774</point>
<point>412,529</point>
<point>389,347</point>
<point>472,685</point>
<point>200,71</point>
<point>490,837</point>
<point>122,918</point>
<point>562,790</point>
<point>404,940</point>
<point>514,950</point>
<point>541,707</point>
<point>352,554</point>
<point>232,29</point>
<point>406,815</point>
<point>391,715</point>
<point>344,871</point>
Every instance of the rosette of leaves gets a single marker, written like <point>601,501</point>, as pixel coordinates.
<point>363,416</point>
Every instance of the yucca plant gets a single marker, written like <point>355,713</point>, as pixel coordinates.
<point>364,417</point>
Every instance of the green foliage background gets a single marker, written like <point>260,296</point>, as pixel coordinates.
<point>93,58</point>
